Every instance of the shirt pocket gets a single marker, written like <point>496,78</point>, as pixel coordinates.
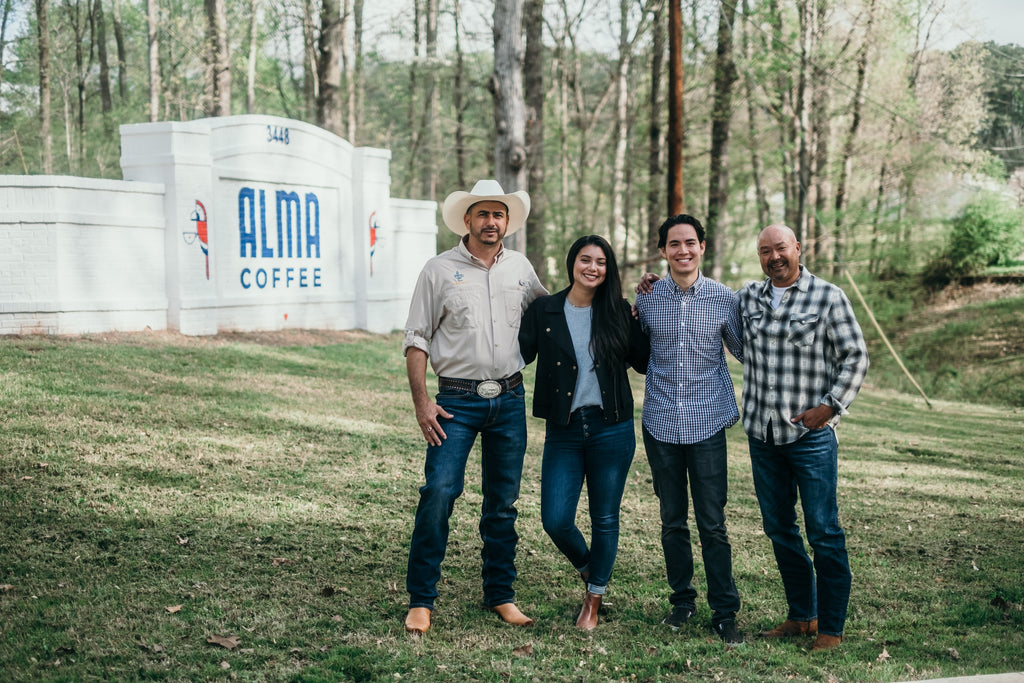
<point>753,319</point>
<point>463,306</point>
<point>802,329</point>
<point>514,308</point>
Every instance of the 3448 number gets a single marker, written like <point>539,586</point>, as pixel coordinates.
<point>277,134</point>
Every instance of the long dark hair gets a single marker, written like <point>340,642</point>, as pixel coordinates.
<point>609,328</point>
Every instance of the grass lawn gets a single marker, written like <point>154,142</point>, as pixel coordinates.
<point>239,508</point>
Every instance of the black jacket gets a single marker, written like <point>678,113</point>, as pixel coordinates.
<point>544,335</point>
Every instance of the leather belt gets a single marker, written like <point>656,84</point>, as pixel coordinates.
<point>484,388</point>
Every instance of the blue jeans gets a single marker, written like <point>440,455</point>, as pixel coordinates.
<point>705,466</point>
<point>588,450</point>
<point>809,466</point>
<point>501,424</point>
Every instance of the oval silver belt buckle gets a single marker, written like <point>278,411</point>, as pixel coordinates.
<point>488,389</point>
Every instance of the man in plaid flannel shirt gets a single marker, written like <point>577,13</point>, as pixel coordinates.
<point>804,362</point>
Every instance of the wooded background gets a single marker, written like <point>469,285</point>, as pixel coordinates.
<point>853,122</point>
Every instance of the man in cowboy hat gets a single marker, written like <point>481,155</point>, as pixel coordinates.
<point>464,316</point>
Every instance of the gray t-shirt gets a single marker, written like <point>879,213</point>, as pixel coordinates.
<point>588,391</point>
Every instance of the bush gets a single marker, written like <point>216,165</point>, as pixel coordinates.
<point>989,232</point>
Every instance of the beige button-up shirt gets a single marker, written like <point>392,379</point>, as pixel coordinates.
<point>466,316</point>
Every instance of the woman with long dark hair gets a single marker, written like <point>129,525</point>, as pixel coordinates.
<point>583,338</point>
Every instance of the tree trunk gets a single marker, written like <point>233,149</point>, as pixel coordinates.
<point>821,132</point>
<point>801,119</point>
<point>219,56</point>
<point>676,126</point>
<point>346,94</point>
<point>536,239</point>
<point>6,15</point>
<point>506,86</point>
<point>310,75</point>
<point>414,131</point>
<point>617,190</point>
<point>655,207</point>
<point>106,100</point>
<point>431,106</point>
<point>122,53</point>
<point>756,162</point>
<point>81,72</point>
<point>328,103</point>
<point>152,18</point>
<point>846,167</point>
<point>457,102</point>
<point>562,61</point>
<point>250,80</point>
<point>356,110</point>
<point>45,133</point>
<point>721,117</point>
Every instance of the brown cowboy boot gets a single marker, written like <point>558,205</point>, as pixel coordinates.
<point>825,642</point>
<point>510,614</point>
<point>790,628</point>
<point>417,620</point>
<point>587,620</point>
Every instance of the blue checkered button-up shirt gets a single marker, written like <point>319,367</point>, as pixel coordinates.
<point>690,396</point>
<point>807,352</point>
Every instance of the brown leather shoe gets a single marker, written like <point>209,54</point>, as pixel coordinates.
<point>790,628</point>
<point>587,620</point>
<point>510,614</point>
<point>417,620</point>
<point>825,642</point>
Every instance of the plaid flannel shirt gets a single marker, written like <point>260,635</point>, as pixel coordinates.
<point>807,352</point>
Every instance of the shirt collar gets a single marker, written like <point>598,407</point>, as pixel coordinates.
<point>695,287</point>
<point>464,251</point>
<point>803,282</point>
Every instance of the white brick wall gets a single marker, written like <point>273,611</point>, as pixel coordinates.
<point>80,255</point>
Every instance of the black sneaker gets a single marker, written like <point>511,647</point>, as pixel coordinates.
<point>679,616</point>
<point>726,630</point>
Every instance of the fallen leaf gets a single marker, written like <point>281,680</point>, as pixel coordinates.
<point>884,656</point>
<point>954,654</point>
<point>278,561</point>
<point>524,650</point>
<point>6,588</point>
<point>230,642</point>
<point>158,648</point>
<point>174,608</point>
<point>26,478</point>
<point>225,666</point>
<point>974,566</point>
<point>182,540</point>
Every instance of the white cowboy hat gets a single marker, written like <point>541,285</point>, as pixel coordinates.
<point>457,204</point>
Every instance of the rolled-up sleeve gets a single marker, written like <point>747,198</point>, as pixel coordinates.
<point>423,316</point>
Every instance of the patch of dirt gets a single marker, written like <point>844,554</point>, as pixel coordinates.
<point>957,295</point>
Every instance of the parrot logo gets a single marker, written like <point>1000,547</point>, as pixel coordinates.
<point>373,239</point>
<point>199,218</point>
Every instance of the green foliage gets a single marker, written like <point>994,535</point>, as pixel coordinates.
<point>988,232</point>
<point>1003,126</point>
